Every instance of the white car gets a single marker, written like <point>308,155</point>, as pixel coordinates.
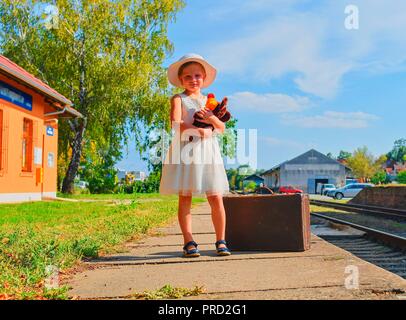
<point>82,184</point>
<point>349,191</point>
<point>325,188</point>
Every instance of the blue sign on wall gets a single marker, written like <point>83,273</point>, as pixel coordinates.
<point>15,96</point>
<point>50,131</point>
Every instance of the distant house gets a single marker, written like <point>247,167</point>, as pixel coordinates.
<point>307,171</point>
<point>131,176</point>
<point>139,175</point>
<point>399,167</point>
<point>392,169</point>
<point>256,178</point>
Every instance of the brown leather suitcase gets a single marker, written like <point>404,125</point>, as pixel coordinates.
<point>267,222</point>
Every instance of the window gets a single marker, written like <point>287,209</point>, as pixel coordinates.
<point>27,145</point>
<point>1,139</point>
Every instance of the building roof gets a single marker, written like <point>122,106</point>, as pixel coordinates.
<point>309,157</point>
<point>14,71</point>
<point>253,177</point>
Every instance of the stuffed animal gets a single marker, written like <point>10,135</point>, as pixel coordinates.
<point>218,109</point>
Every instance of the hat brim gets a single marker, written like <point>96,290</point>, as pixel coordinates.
<point>174,69</point>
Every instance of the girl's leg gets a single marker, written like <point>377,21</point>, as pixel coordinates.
<point>185,218</point>
<point>218,216</point>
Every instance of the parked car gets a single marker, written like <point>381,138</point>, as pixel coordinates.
<point>349,191</point>
<point>350,180</point>
<point>326,188</point>
<point>82,184</point>
<point>289,189</point>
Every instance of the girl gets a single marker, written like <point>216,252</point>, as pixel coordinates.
<point>193,163</point>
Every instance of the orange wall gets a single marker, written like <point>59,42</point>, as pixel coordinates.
<point>12,179</point>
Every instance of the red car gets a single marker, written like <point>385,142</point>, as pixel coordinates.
<point>289,189</point>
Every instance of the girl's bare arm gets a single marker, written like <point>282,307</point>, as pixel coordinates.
<point>176,116</point>
<point>218,125</point>
<point>209,117</point>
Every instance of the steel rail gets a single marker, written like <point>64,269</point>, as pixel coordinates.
<point>381,211</point>
<point>380,236</point>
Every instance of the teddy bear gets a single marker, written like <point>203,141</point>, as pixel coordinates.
<point>218,109</point>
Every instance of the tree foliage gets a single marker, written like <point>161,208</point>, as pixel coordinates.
<point>105,56</point>
<point>236,176</point>
<point>363,164</point>
<point>343,155</point>
<point>380,177</point>
<point>401,178</point>
<point>398,152</point>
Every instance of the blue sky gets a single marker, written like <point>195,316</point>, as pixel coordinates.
<point>294,72</point>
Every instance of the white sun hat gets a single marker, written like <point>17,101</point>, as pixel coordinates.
<point>174,68</point>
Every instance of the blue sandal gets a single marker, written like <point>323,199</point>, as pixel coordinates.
<point>190,253</point>
<point>222,251</point>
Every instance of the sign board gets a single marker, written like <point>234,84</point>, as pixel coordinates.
<point>15,96</point>
<point>51,157</point>
<point>50,131</point>
<point>37,156</point>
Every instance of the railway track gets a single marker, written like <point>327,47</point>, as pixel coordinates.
<point>377,211</point>
<point>383,249</point>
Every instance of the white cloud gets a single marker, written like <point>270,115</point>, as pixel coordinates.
<point>268,102</point>
<point>232,8</point>
<point>284,45</point>
<point>332,119</point>
<point>311,44</point>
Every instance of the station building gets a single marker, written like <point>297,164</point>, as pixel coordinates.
<point>306,171</point>
<point>29,112</point>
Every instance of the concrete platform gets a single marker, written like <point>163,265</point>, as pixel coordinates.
<point>319,273</point>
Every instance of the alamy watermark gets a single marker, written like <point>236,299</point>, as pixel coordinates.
<point>189,147</point>
<point>351,282</point>
<point>51,17</point>
<point>52,277</point>
<point>351,22</point>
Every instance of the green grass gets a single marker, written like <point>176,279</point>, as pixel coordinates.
<point>39,234</point>
<point>320,209</point>
<point>120,196</point>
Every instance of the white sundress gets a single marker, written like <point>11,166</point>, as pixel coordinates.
<point>193,167</point>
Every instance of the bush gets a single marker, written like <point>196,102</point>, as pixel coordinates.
<point>380,177</point>
<point>102,182</point>
<point>251,186</point>
<point>149,185</point>
<point>401,178</point>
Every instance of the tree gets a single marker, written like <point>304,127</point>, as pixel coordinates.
<point>343,155</point>
<point>106,56</point>
<point>98,168</point>
<point>236,176</point>
<point>380,177</point>
<point>398,152</point>
<point>401,178</point>
<point>363,164</point>
<point>250,186</point>
<point>228,140</point>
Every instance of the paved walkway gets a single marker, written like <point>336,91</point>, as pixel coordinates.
<point>318,273</point>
